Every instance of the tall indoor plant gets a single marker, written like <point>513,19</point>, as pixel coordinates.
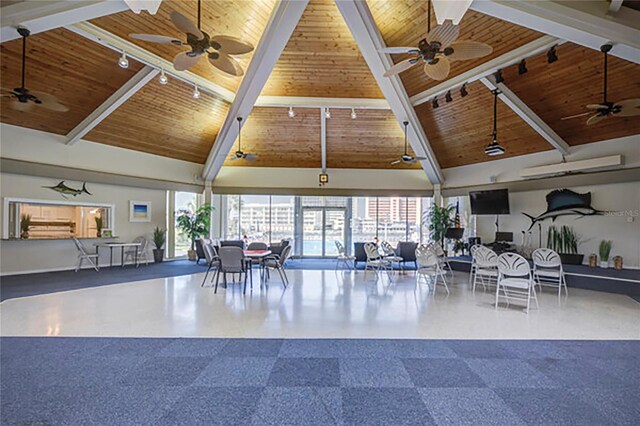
<point>159,238</point>
<point>440,219</point>
<point>194,224</point>
<point>25,226</point>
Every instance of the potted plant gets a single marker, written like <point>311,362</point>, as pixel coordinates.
<point>604,249</point>
<point>98,220</point>
<point>158,241</point>
<point>194,225</point>
<point>439,219</point>
<point>564,241</point>
<point>25,225</point>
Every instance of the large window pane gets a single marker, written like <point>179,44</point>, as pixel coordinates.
<point>183,201</point>
<point>255,218</point>
<point>233,217</point>
<point>282,218</point>
<point>363,220</point>
<point>311,232</point>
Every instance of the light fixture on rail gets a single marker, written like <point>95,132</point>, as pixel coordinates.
<point>447,97</point>
<point>163,79</point>
<point>353,114</point>
<point>522,67</point>
<point>552,55</point>
<point>327,113</point>
<point>196,92</point>
<point>434,102</point>
<point>123,62</point>
<point>292,113</point>
<point>498,76</point>
<point>463,90</point>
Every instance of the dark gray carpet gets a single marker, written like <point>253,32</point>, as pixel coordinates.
<point>13,286</point>
<point>114,381</point>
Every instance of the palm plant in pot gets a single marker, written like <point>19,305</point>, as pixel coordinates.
<point>604,250</point>
<point>564,241</point>
<point>99,225</point>
<point>25,226</point>
<point>194,224</point>
<point>159,238</point>
<point>439,219</point>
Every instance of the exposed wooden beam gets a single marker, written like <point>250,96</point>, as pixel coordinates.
<point>323,139</point>
<point>118,44</point>
<point>527,114</point>
<point>307,102</point>
<point>487,68</point>
<point>39,16</point>
<point>366,34</point>
<point>586,23</point>
<point>282,22</point>
<point>121,95</point>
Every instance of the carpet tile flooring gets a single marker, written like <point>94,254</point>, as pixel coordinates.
<point>127,381</point>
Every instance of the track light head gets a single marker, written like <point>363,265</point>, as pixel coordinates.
<point>552,55</point>
<point>292,113</point>
<point>606,48</point>
<point>499,77</point>
<point>196,92</point>
<point>123,62</point>
<point>353,114</point>
<point>463,91</point>
<point>434,102</point>
<point>447,97</point>
<point>522,67</point>
<point>327,113</point>
<point>163,79</point>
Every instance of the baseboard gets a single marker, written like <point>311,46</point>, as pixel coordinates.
<point>68,268</point>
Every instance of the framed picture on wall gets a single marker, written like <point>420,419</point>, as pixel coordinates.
<point>139,211</point>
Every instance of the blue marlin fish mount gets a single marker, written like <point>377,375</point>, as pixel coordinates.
<point>565,202</point>
<point>65,190</point>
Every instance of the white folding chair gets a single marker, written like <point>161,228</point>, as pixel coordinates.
<point>486,267</point>
<point>472,271</point>
<point>83,255</point>
<point>141,252</point>
<point>375,261</point>
<point>390,254</point>
<point>442,258</point>
<point>515,279</point>
<point>343,258</point>
<point>430,266</point>
<point>547,270</point>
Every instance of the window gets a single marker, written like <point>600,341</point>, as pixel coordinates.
<point>183,201</point>
<point>233,217</point>
<point>282,218</point>
<point>364,219</point>
<point>255,217</point>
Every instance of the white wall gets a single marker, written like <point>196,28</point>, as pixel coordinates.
<point>40,255</point>
<point>624,197</point>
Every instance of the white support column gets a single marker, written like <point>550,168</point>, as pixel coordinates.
<point>437,195</point>
<point>366,34</point>
<point>283,20</point>
<point>44,15</point>
<point>527,114</point>
<point>121,95</point>
<point>323,139</point>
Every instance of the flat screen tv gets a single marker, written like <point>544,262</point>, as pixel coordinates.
<point>490,202</point>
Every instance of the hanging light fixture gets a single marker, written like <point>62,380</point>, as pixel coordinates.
<point>327,113</point>
<point>123,62</point>
<point>196,92</point>
<point>463,90</point>
<point>292,113</point>
<point>138,6</point>
<point>494,148</point>
<point>450,9</point>
<point>163,78</point>
<point>353,114</point>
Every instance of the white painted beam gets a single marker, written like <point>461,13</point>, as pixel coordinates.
<point>323,139</point>
<point>44,15</point>
<point>512,57</point>
<point>283,20</point>
<point>586,23</point>
<point>120,96</point>
<point>614,6</point>
<point>118,44</point>
<point>308,102</point>
<point>366,34</point>
<point>527,114</point>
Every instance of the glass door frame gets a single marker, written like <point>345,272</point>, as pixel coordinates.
<point>346,231</point>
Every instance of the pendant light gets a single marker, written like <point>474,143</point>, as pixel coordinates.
<point>494,148</point>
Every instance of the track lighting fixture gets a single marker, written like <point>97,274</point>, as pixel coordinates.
<point>292,113</point>
<point>123,62</point>
<point>327,113</point>
<point>522,67</point>
<point>463,90</point>
<point>499,77</point>
<point>447,97</point>
<point>552,55</point>
<point>196,92</point>
<point>163,78</point>
<point>353,114</point>
<point>434,102</point>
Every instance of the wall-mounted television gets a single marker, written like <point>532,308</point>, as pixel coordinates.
<point>490,202</point>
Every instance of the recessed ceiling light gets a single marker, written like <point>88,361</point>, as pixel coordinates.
<point>123,62</point>
<point>353,114</point>
<point>292,113</point>
<point>163,78</point>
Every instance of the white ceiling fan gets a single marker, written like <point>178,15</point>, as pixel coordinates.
<point>239,154</point>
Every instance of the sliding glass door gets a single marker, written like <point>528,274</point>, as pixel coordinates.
<point>321,228</point>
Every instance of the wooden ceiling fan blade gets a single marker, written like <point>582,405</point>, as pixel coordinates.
<point>393,163</point>
<point>183,62</point>
<point>444,34</point>
<point>576,115</point>
<point>596,106</point>
<point>226,64</point>
<point>628,108</point>
<point>185,25</point>
<point>154,38</point>
<point>401,66</point>
<point>22,106</point>
<point>463,50</point>
<point>595,119</point>
<point>399,50</point>
<point>231,45</point>
<point>438,70</point>
<point>49,101</point>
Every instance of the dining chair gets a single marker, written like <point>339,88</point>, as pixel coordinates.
<point>374,260</point>
<point>343,258</point>
<point>83,255</point>
<point>472,271</point>
<point>277,262</point>
<point>390,254</point>
<point>257,246</point>
<point>141,252</point>
<point>213,261</point>
<point>547,270</point>
<point>430,266</point>
<point>486,267</point>
<point>232,261</point>
<point>515,279</point>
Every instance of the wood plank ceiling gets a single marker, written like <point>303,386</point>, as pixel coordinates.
<point>165,120</point>
<point>322,59</point>
<point>80,73</point>
<point>459,130</point>
<point>244,19</point>
<point>564,88</point>
<point>404,23</point>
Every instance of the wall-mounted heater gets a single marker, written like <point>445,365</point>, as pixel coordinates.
<point>582,166</point>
